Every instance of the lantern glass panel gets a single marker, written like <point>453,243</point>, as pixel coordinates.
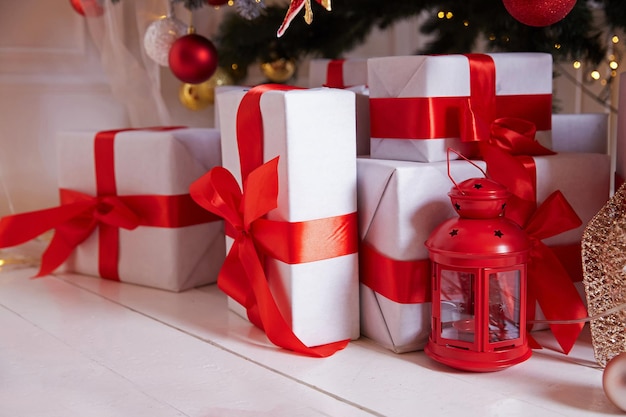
<point>504,305</point>
<point>457,305</point>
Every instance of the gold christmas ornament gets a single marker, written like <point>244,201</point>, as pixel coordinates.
<point>199,96</point>
<point>604,268</point>
<point>280,70</point>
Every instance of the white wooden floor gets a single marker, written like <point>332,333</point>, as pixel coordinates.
<point>80,346</point>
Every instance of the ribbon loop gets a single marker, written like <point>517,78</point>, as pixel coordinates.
<point>549,284</point>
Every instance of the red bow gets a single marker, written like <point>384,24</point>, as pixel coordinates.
<point>548,282</point>
<point>73,222</point>
<point>242,275</point>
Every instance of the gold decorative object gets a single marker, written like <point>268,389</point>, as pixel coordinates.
<point>199,96</point>
<point>604,268</point>
<point>280,70</point>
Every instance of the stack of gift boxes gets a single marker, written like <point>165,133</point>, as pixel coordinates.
<point>328,192</point>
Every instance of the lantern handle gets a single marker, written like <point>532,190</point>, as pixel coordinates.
<point>462,157</point>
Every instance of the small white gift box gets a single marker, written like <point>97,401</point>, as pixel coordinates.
<point>160,164</point>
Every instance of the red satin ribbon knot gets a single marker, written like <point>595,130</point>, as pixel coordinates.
<point>73,222</point>
<point>80,214</point>
<point>549,284</point>
<point>242,276</point>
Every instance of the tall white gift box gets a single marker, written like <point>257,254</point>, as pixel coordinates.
<point>160,164</point>
<point>421,105</point>
<point>350,74</point>
<point>312,132</point>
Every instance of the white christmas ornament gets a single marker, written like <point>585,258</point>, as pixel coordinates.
<point>160,36</point>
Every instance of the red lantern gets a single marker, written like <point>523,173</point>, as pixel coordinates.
<point>479,282</point>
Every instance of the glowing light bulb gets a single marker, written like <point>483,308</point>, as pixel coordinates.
<point>557,46</point>
<point>613,65</point>
<point>449,15</point>
<point>595,75</point>
<point>615,39</point>
<point>492,37</point>
<point>441,14</point>
<point>577,64</point>
<point>466,23</point>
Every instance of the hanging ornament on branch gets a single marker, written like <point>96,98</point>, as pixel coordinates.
<point>160,36</point>
<point>88,8</point>
<point>199,96</point>
<point>280,70</point>
<point>294,8</point>
<point>193,58</point>
<point>539,12</point>
<point>249,9</point>
<point>217,3</point>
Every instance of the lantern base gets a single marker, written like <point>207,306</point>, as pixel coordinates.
<point>467,360</point>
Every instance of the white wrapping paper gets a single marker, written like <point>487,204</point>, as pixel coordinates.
<point>400,203</point>
<point>150,163</point>
<point>585,133</point>
<point>355,79</point>
<point>449,76</point>
<point>313,133</point>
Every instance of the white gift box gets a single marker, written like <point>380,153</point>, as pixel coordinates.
<point>146,162</point>
<point>312,131</point>
<point>584,180</point>
<point>584,133</point>
<point>523,89</point>
<point>354,78</point>
<point>353,72</point>
<point>400,203</point>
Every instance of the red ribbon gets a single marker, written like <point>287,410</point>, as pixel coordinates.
<point>405,282</point>
<point>334,74</point>
<point>242,276</point>
<point>79,214</point>
<point>549,284</point>
<point>450,117</point>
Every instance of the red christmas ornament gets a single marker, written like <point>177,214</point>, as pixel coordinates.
<point>89,8</point>
<point>217,2</point>
<point>539,12</point>
<point>193,58</point>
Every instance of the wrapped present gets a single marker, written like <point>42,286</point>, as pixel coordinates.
<point>350,74</point>
<point>583,133</point>
<point>400,203</point>
<point>554,197</point>
<point>126,213</point>
<point>338,73</point>
<point>421,105</point>
<point>314,283</point>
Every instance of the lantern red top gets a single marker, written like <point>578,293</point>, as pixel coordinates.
<point>482,236</point>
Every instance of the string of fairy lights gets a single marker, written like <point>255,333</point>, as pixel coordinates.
<point>590,76</point>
